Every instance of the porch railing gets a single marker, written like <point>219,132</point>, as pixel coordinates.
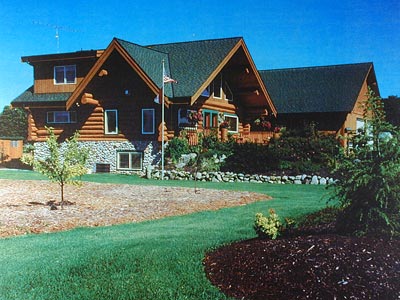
<point>258,137</point>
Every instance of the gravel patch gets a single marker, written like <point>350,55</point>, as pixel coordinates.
<point>24,204</point>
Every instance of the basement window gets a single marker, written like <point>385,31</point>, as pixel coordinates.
<point>129,160</point>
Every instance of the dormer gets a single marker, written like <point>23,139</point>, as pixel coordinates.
<point>61,73</point>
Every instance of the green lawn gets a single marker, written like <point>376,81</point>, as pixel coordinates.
<point>151,260</point>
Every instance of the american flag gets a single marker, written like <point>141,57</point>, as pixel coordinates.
<point>168,79</point>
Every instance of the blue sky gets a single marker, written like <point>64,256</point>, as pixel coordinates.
<point>279,34</point>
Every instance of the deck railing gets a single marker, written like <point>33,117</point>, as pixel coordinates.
<point>258,137</point>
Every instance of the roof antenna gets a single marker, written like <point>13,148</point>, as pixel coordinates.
<point>58,40</point>
<point>57,29</point>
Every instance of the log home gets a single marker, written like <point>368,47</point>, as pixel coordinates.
<point>329,96</point>
<point>108,95</point>
<point>10,148</point>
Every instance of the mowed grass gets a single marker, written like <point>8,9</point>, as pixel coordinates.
<point>159,259</point>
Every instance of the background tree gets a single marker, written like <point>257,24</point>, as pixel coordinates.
<point>13,122</point>
<point>369,173</point>
<point>64,164</point>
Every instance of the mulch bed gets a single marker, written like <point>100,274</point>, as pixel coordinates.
<point>309,266</point>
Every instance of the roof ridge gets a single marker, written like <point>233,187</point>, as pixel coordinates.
<point>318,67</point>
<point>141,46</point>
<point>194,41</point>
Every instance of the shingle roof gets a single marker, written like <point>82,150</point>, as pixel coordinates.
<point>192,63</point>
<point>150,61</point>
<point>29,97</point>
<point>316,89</point>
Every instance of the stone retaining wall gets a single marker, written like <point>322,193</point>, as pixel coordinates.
<point>239,177</point>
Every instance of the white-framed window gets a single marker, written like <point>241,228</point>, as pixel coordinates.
<point>148,121</point>
<point>14,144</point>
<point>220,89</point>
<point>111,121</point>
<point>129,160</point>
<point>233,122</point>
<point>54,117</point>
<point>217,87</point>
<point>65,74</point>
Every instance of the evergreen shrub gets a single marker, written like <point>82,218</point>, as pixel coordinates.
<point>368,186</point>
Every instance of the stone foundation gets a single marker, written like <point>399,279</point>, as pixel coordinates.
<point>105,152</point>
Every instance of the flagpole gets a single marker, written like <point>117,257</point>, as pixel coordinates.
<point>162,122</point>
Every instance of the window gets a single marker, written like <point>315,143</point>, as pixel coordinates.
<point>148,122</point>
<point>111,121</point>
<point>360,125</point>
<point>183,117</point>
<point>210,119</point>
<point>206,92</point>
<point>233,122</point>
<point>228,92</point>
<point>61,117</point>
<point>217,87</point>
<point>65,74</point>
<point>14,144</point>
<point>129,160</point>
<point>220,89</point>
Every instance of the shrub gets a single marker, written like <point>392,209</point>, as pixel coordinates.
<point>176,147</point>
<point>213,146</point>
<point>246,158</point>
<point>300,151</point>
<point>305,151</point>
<point>209,151</point>
<point>267,226</point>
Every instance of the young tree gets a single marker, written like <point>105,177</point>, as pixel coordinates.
<point>13,122</point>
<point>64,165</point>
<point>368,186</point>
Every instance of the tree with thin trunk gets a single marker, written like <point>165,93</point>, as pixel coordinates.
<point>64,164</point>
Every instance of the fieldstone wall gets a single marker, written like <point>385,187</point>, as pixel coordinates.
<point>239,177</point>
<point>105,152</point>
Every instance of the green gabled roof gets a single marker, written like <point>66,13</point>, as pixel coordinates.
<point>150,61</point>
<point>28,97</point>
<point>192,63</point>
<point>316,89</point>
